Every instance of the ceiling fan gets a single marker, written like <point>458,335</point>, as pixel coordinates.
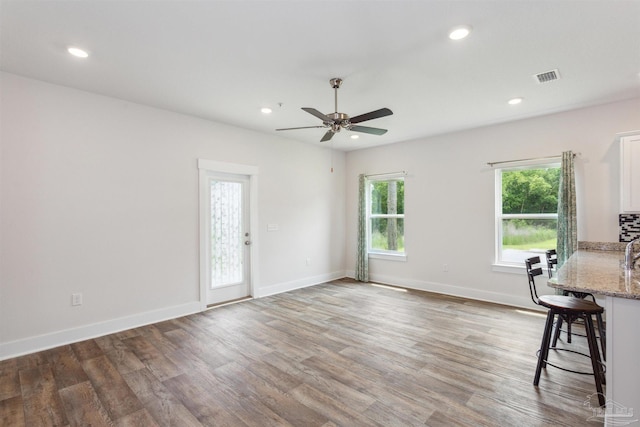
<point>336,121</point>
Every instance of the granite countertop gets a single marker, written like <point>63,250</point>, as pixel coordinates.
<point>598,272</point>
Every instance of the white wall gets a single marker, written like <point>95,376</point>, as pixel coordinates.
<point>449,196</point>
<point>100,196</point>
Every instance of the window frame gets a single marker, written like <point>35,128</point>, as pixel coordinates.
<point>499,263</point>
<point>382,253</point>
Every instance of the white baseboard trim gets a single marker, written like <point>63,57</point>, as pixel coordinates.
<point>55,339</point>
<point>458,291</point>
<point>298,284</point>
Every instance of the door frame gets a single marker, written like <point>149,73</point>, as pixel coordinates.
<point>205,169</point>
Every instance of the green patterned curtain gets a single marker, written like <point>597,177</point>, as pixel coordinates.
<point>362,258</point>
<point>567,223</point>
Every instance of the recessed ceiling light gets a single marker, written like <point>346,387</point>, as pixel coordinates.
<point>266,110</point>
<point>75,51</point>
<point>355,136</point>
<point>459,32</point>
<point>515,101</point>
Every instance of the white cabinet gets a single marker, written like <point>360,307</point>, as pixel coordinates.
<point>630,173</point>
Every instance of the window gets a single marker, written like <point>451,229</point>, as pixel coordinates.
<point>526,211</point>
<point>385,216</point>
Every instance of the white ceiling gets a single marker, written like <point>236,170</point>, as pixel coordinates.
<point>224,60</point>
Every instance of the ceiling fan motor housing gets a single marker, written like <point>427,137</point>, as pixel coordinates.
<point>338,117</point>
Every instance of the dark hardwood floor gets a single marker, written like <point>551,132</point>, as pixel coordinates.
<point>338,354</point>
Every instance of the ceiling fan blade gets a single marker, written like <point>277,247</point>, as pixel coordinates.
<point>371,115</point>
<point>303,127</point>
<point>327,136</point>
<point>367,129</point>
<point>318,114</point>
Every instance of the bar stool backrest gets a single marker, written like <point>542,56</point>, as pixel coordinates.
<point>532,272</point>
<point>552,260</point>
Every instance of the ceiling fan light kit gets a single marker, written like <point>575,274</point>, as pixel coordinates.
<point>336,121</point>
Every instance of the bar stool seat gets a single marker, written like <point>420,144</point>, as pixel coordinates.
<point>568,304</point>
<point>571,307</point>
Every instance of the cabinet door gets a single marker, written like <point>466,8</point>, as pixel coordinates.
<point>630,173</point>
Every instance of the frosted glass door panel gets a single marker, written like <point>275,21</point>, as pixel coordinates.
<point>227,242</point>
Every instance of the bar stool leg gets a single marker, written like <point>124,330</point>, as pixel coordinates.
<point>543,353</point>
<point>603,336</point>
<point>556,332</point>
<point>595,357</point>
<point>554,318</point>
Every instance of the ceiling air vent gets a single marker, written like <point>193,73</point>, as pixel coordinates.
<point>547,76</point>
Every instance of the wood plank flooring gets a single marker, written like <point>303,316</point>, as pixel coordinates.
<point>337,354</point>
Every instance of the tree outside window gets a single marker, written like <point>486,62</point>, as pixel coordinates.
<point>386,215</point>
<point>526,211</point>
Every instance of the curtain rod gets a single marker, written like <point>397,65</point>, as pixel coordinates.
<point>386,173</point>
<point>526,160</point>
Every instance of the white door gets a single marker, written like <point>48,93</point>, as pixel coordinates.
<point>229,238</point>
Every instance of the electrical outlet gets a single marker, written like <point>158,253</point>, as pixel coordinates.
<point>308,261</point>
<point>76,299</point>
<point>445,267</point>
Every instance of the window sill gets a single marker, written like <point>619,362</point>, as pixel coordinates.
<point>389,257</point>
<point>507,268</point>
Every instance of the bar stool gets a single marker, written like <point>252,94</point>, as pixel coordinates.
<point>568,307</point>
<point>552,261</point>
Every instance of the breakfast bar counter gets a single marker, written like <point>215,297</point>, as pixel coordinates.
<point>598,272</point>
<point>602,273</point>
